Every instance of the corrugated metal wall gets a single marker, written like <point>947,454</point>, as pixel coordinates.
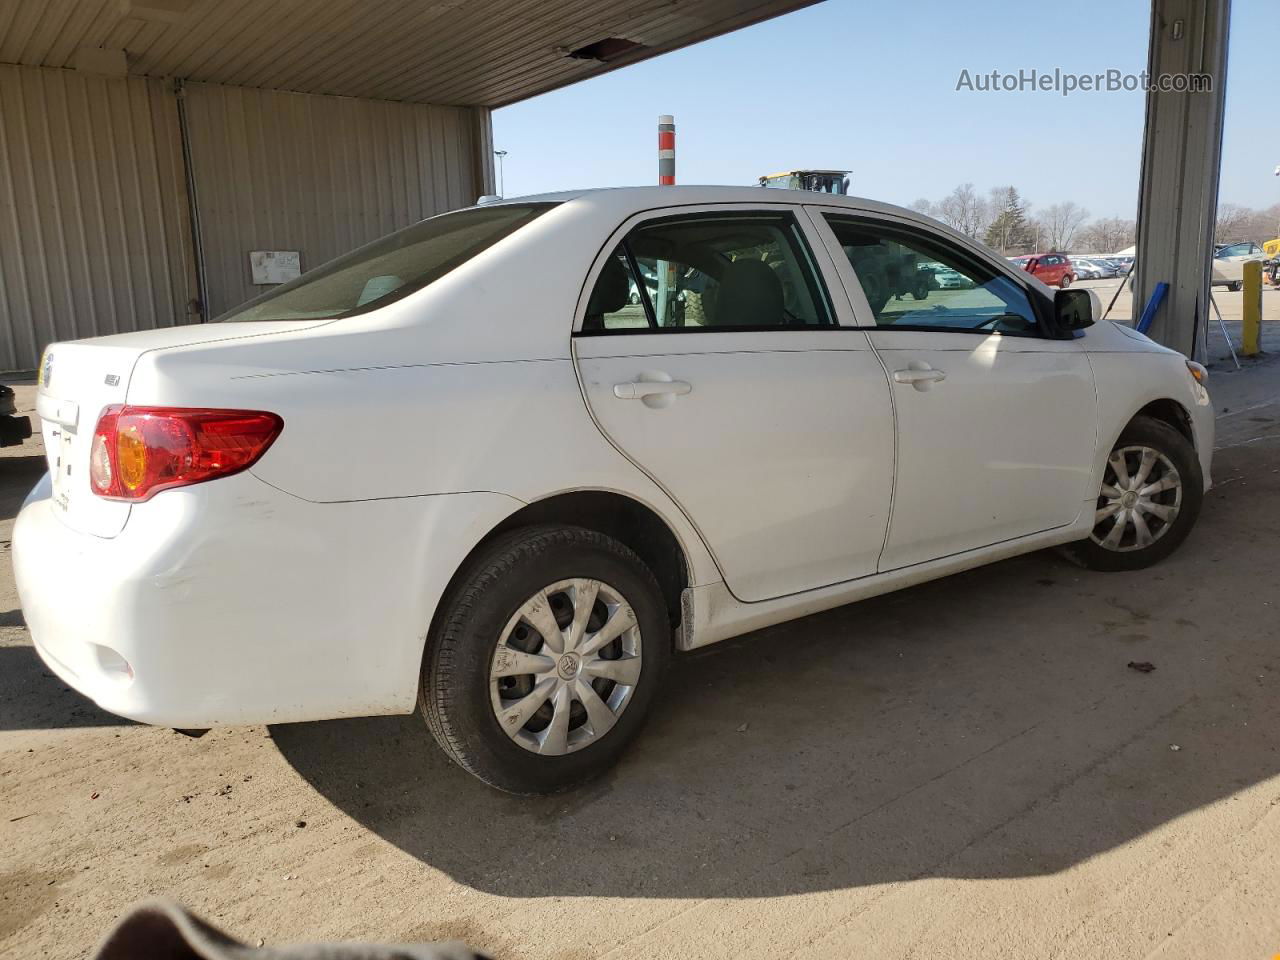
<point>321,175</point>
<point>94,237</point>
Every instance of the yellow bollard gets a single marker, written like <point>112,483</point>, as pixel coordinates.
<point>1251,332</point>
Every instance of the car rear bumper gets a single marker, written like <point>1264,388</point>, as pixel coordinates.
<point>232,602</point>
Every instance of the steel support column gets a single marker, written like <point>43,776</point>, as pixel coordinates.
<point>1181,160</point>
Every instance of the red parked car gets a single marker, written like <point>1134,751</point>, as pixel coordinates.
<point>1055,269</point>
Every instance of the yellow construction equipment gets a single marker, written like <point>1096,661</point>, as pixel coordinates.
<point>821,181</point>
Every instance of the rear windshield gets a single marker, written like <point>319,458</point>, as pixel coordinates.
<point>388,269</point>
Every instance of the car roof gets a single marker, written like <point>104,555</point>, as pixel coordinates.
<point>646,198</point>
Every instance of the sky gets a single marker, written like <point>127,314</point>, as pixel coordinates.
<point>872,87</point>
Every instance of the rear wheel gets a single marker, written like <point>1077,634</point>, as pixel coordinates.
<point>1065,281</point>
<point>1150,498</point>
<point>1235,286</point>
<point>546,659</point>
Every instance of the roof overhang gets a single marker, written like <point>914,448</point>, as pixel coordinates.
<point>468,52</point>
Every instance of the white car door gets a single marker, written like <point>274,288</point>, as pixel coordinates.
<point>735,387</point>
<point>996,425</point>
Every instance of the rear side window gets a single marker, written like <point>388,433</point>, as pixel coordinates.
<point>709,272</point>
<point>388,269</point>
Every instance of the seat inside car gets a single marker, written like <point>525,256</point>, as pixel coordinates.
<point>609,295</point>
<point>749,295</point>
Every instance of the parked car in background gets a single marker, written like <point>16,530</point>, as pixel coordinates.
<point>1238,252</point>
<point>1054,269</point>
<point>947,279</point>
<point>1107,268</point>
<point>448,470</point>
<point>1086,269</point>
<point>1228,263</point>
<point>1124,261</point>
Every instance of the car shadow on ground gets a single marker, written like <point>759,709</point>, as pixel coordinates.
<point>18,474</point>
<point>987,725</point>
<point>32,698</point>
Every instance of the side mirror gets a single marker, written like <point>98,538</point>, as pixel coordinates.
<point>1074,310</point>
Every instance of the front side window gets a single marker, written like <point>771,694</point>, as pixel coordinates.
<point>916,281</point>
<point>713,271</point>
<point>388,269</point>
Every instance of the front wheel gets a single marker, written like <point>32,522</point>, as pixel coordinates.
<point>1235,286</point>
<point>545,659</point>
<point>1150,497</point>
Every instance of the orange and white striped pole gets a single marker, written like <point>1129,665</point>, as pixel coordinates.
<point>666,150</point>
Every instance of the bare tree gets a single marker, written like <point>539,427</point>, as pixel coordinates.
<point>1231,223</point>
<point>1264,225</point>
<point>1037,234</point>
<point>1108,234</point>
<point>925,206</point>
<point>1061,221</point>
<point>962,209</point>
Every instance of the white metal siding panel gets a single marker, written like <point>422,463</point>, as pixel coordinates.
<point>321,175</point>
<point>94,236</point>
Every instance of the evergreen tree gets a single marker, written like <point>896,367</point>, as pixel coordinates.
<point>1009,230</point>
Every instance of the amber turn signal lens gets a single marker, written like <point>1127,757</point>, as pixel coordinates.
<point>131,457</point>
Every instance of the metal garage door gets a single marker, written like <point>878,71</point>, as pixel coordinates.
<point>319,175</point>
<point>94,236</point>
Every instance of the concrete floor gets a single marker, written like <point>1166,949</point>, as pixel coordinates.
<point>964,769</point>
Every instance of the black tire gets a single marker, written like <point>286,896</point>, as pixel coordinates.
<point>1235,287</point>
<point>454,695</point>
<point>1166,440</point>
<point>1065,281</point>
<point>921,291</point>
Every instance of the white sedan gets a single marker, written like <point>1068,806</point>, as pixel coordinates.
<point>459,470</point>
<point>1228,264</point>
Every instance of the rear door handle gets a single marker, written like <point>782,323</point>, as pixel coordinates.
<point>639,389</point>
<point>919,375</point>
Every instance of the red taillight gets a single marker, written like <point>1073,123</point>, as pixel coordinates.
<point>139,451</point>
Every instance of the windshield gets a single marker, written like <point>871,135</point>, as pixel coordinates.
<point>388,269</point>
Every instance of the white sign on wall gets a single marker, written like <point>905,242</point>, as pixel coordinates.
<point>275,266</point>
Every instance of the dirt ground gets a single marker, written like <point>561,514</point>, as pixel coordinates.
<point>967,768</point>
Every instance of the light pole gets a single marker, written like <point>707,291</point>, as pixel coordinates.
<point>500,154</point>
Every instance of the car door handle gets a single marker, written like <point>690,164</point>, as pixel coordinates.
<point>639,389</point>
<point>921,376</point>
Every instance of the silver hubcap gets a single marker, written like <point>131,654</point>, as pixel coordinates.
<point>565,667</point>
<point>1140,498</point>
